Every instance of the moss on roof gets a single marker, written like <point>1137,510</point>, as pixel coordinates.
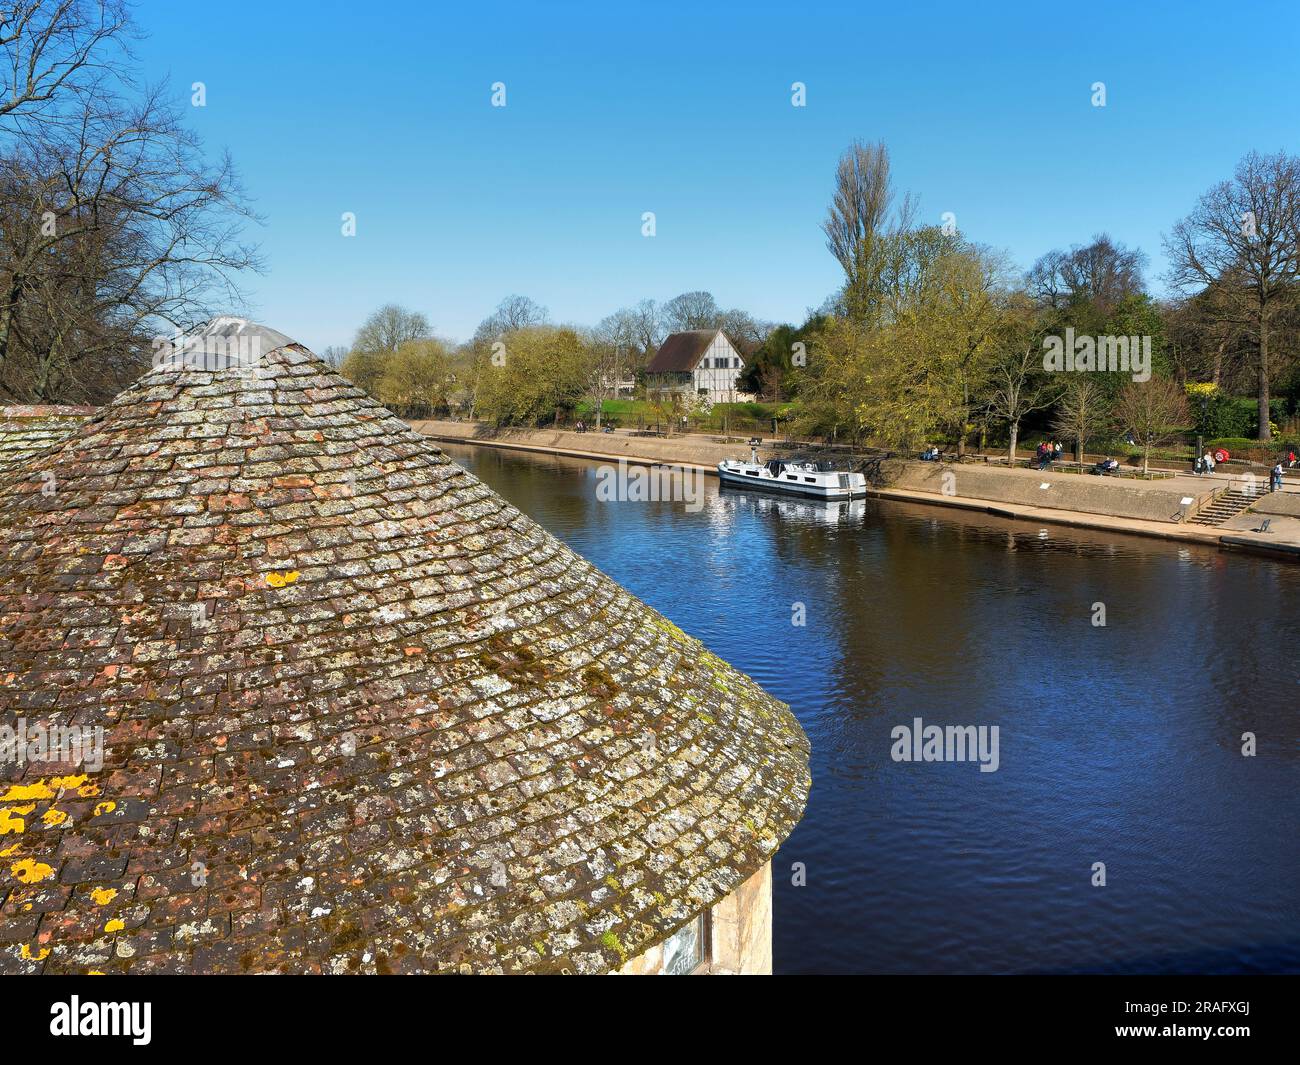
<point>30,430</point>
<point>361,713</point>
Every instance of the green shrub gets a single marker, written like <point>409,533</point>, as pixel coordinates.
<point>1233,444</point>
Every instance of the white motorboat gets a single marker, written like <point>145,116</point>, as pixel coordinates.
<point>820,480</point>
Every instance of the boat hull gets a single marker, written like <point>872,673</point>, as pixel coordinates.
<point>734,478</point>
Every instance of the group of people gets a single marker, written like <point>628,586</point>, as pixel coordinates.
<point>1207,462</point>
<point>1047,452</point>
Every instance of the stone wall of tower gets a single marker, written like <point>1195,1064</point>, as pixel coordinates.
<point>739,931</point>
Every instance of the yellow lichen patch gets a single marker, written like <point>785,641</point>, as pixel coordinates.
<point>88,791</point>
<point>93,972</point>
<point>40,955</point>
<point>69,783</point>
<point>8,851</point>
<point>103,895</point>
<point>29,871</point>
<point>279,580</point>
<point>54,817</point>
<point>106,807</point>
<point>22,792</point>
<point>115,925</point>
<point>11,822</point>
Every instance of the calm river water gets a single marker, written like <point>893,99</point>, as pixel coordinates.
<point>1118,744</point>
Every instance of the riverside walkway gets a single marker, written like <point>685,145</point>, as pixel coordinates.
<point>1158,508</point>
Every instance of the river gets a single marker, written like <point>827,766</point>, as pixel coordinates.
<point>1119,744</point>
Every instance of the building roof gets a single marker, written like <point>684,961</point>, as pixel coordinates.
<point>361,714</point>
<point>29,430</point>
<point>682,352</point>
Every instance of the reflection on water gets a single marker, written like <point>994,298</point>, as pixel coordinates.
<point>1119,744</point>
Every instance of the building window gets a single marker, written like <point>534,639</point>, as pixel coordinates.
<point>686,950</point>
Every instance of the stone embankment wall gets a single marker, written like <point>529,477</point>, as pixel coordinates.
<point>679,450</point>
<point>1081,493</point>
<point>1285,503</point>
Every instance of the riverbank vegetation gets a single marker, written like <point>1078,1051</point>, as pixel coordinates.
<point>935,338</point>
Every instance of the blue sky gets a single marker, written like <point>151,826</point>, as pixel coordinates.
<point>684,110</point>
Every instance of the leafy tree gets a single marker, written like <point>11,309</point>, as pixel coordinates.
<point>771,371</point>
<point>860,222</point>
<point>364,368</point>
<point>417,379</point>
<point>542,369</point>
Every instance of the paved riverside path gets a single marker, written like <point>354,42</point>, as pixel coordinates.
<point>984,488</point>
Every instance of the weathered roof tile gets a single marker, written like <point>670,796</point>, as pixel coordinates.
<point>361,714</point>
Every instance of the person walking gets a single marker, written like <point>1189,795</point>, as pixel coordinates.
<point>1275,481</point>
<point>1209,462</point>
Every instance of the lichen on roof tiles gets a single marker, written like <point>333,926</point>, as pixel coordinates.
<point>26,431</point>
<point>361,714</point>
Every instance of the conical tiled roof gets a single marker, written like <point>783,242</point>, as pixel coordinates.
<point>360,712</point>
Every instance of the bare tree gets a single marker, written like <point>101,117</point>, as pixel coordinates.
<point>1044,281</point>
<point>113,225</point>
<point>387,329</point>
<point>691,310</point>
<point>1080,412</point>
<point>513,312</point>
<point>1019,386</point>
<point>604,367</point>
<point>50,48</point>
<point>745,331</point>
<point>1153,411</point>
<point>1102,272</point>
<point>1243,236</point>
<point>1206,343</point>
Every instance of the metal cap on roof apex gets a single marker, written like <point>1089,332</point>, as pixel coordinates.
<point>225,343</point>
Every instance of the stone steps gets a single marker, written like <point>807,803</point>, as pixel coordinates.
<point>1228,505</point>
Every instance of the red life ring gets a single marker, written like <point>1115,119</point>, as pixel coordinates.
<point>1220,455</point>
